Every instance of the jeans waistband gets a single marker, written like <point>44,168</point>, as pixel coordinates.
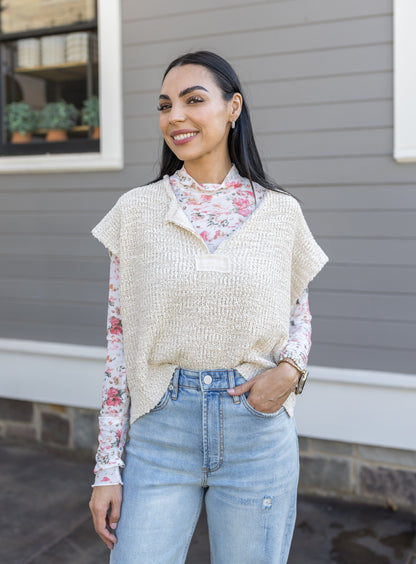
<point>205,380</point>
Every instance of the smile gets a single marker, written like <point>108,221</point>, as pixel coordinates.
<point>184,137</point>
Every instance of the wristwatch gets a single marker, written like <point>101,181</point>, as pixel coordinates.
<point>303,374</point>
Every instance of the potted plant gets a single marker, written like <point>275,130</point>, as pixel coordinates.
<point>20,121</point>
<point>90,115</point>
<point>57,118</point>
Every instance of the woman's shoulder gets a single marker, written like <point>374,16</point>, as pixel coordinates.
<point>142,192</point>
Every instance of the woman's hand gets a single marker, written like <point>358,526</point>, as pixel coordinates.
<point>104,497</point>
<point>270,389</point>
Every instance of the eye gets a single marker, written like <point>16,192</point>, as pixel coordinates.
<point>194,100</point>
<point>163,107</point>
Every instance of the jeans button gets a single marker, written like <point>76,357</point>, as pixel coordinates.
<point>170,386</point>
<point>207,379</point>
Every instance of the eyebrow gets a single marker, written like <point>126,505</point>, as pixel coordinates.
<point>184,92</point>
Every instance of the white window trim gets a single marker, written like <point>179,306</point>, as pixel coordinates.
<point>110,156</point>
<point>404,81</point>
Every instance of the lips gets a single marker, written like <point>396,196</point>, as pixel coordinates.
<point>183,136</point>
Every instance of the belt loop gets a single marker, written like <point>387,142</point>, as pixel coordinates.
<point>231,382</point>
<point>173,386</point>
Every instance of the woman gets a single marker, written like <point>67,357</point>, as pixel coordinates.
<point>210,266</point>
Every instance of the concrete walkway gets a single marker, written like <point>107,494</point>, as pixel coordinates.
<point>44,519</point>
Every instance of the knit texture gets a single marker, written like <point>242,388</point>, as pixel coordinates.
<point>183,306</point>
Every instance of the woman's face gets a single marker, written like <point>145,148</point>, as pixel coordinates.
<point>194,117</point>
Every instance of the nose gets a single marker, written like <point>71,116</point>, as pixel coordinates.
<point>176,114</point>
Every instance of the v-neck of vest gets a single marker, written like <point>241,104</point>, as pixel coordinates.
<point>175,214</point>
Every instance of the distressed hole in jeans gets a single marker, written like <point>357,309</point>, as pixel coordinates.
<point>267,502</point>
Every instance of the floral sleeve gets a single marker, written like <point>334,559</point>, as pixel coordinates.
<point>114,413</point>
<point>300,330</point>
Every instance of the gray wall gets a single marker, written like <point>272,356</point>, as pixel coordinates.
<point>319,81</point>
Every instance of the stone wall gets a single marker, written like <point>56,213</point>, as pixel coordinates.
<point>56,426</point>
<point>350,471</point>
<point>358,472</point>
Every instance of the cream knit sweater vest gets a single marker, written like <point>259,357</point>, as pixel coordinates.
<point>183,306</point>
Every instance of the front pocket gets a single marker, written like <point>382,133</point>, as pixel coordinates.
<point>162,403</point>
<point>253,411</point>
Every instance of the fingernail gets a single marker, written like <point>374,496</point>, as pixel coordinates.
<point>113,525</point>
<point>230,390</point>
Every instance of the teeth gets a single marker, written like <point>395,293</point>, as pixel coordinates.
<point>184,136</point>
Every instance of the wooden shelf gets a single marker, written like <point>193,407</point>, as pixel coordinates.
<point>64,71</point>
<point>75,129</point>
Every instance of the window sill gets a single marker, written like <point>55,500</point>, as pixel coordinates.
<point>74,162</point>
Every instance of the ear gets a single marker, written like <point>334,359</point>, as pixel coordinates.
<point>236,104</point>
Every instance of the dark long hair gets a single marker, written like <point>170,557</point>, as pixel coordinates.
<point>241,143</point>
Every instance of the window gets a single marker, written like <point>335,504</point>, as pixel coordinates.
<point>404,81</point>
<point>52,54</point>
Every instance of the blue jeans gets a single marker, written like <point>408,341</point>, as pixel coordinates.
<point>201,442</point>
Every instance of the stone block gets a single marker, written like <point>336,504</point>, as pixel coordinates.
<point>21,432</point>
<point>85,431</point>
<point>303,444</point>
<point>332,447</point>
<point>389,484</point>
<point>16,410</point>
<point>55,408</point>
<point>325,475</point>
<point>55,429</point>
<point>387,456</point>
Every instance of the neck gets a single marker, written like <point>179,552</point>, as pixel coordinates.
<point>208,171</point>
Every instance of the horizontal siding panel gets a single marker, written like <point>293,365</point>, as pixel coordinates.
<point>52,245</point>
<point>55,332</point>
<point>289,13</point>
<point>66,201</point>
<point>364,278</point>
<point>28,267</point>
<point>385,358</point>
<point>257,42</point>
<point>367,333</point>
<point>74,292</point>
<point>274,67</point>
<point>373,86</point>
<point>156,8</point>
<point>337,170</point>
<point>388,252</point>
<point>377,196</point>
<point>47,223</point>
<point>378,141</point>
<point>373,113</point>
<point>46,312</point>
<point>365,306</point>
<point>394,224</point>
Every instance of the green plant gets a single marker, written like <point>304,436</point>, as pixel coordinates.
<point>58,115</point>
<point>20,117</point>
<point>90,113</point>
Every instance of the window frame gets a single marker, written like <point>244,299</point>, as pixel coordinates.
<point>404,39</point>
<point>110,155</point>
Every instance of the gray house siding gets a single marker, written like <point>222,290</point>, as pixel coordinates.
<point>319,82</point>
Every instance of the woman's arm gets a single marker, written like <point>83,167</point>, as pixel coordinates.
<point>113,421</point>
<point>300,331</point>
<point>114,413</point>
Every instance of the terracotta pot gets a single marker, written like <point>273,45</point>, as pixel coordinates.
<point>96,132</point>
<point>18,137</point>
<point>56,135</point>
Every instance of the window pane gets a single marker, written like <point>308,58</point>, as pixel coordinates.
<point>24,15</point>
<point>39,73</point>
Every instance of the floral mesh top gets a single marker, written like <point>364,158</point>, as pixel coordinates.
<point>216,211</point>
